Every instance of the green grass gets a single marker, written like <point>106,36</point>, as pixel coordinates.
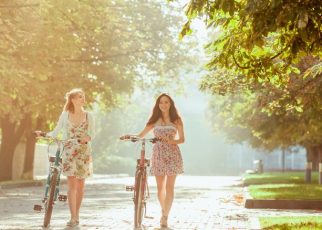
<point>288,185</point>
<point>291,222</point>
<point>279,178</point>
<point>286,191</point>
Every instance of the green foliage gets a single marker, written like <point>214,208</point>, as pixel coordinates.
<point>259,39</point>
<point>266,57</point>
<point>105,48</point>
<point>271,118</point>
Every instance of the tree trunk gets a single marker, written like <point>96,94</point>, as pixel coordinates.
<point>28,170</point>
<point>315,162</point>
<point>319,153</point>
<point>283,160</point>
<point>11,134</point>
<point>313,156</point>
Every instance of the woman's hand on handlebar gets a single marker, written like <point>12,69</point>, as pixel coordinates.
<point>39,133</point>
<point>123,137</point>
<point>127,136</point>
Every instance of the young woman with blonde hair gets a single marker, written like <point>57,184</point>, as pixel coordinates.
<point>75,123</point>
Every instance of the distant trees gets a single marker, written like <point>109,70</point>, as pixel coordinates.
<point>48,47</point>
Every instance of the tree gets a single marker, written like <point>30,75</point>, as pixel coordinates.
<point>259,41</point>
<point>257,55</point>
<point>275,118</point>
<point>50,47</point>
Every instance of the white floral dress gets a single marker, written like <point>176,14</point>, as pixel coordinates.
<point>77,158</point>
<point>166,158</point>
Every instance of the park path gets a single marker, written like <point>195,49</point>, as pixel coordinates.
<point>201,202</point>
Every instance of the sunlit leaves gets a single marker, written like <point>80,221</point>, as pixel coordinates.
<point>260,38</point>
<point>186,30</point>
<point>107,48</point>
<point>270,49</point>
<point>272,116</point>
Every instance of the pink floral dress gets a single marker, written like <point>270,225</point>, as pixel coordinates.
<point>166,158</point>
<point>76,158</point>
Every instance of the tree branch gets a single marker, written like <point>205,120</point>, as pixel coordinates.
<point>239,66</point>
<point>271,58</point>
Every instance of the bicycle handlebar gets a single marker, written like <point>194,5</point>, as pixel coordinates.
<point>136,139</point>
<point>43,135</point>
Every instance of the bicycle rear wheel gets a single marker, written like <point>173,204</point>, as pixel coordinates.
<point>139,205</point>
<point>50,200</point>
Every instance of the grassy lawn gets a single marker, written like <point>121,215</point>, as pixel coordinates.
<point>288,185</point>
<point>291,222</point>
<point>286,191</point>
<point>279,178</point>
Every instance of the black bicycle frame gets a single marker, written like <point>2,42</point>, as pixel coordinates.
<point>54,168</point>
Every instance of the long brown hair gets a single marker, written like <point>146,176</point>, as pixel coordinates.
<point>69,106</point>
<point>157,113</point>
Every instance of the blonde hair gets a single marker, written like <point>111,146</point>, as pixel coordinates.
<point>69,106</point>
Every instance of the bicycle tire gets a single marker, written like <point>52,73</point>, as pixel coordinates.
<point>139,203</point>
<point>50,201</point>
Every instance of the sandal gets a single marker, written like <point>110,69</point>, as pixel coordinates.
<point>164,221</point>
<point>72,223</point>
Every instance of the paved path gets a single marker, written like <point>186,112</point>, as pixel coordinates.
<point>200,203</point>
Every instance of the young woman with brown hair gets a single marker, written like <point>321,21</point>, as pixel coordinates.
<point>166,160</point>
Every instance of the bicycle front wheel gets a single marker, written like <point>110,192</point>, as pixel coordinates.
<point>50,200</point>
<point>139,206</point>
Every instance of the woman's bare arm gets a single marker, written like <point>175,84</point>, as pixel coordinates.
<point>181,138</point>
<point>145,131</point>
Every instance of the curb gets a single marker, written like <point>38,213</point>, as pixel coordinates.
<point>283,204</point>
<point>21,184</point>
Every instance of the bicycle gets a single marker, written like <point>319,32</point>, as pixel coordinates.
<point>53,178</point>
<point>140,188</point>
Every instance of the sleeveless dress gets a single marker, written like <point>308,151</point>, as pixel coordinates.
<point>166,158</point>
<point>77,158</point>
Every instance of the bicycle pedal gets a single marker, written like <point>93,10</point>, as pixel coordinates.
<point>62,198</point>
<point>38,207</point>
<point>129,188</point>
<point>149,217</point>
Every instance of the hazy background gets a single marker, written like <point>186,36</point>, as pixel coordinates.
<point>205,152</point>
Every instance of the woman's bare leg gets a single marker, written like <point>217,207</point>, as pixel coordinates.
<point>79,195</point>
<point>161,190</point>
<point>71,194</point>
<point>169,194</point>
